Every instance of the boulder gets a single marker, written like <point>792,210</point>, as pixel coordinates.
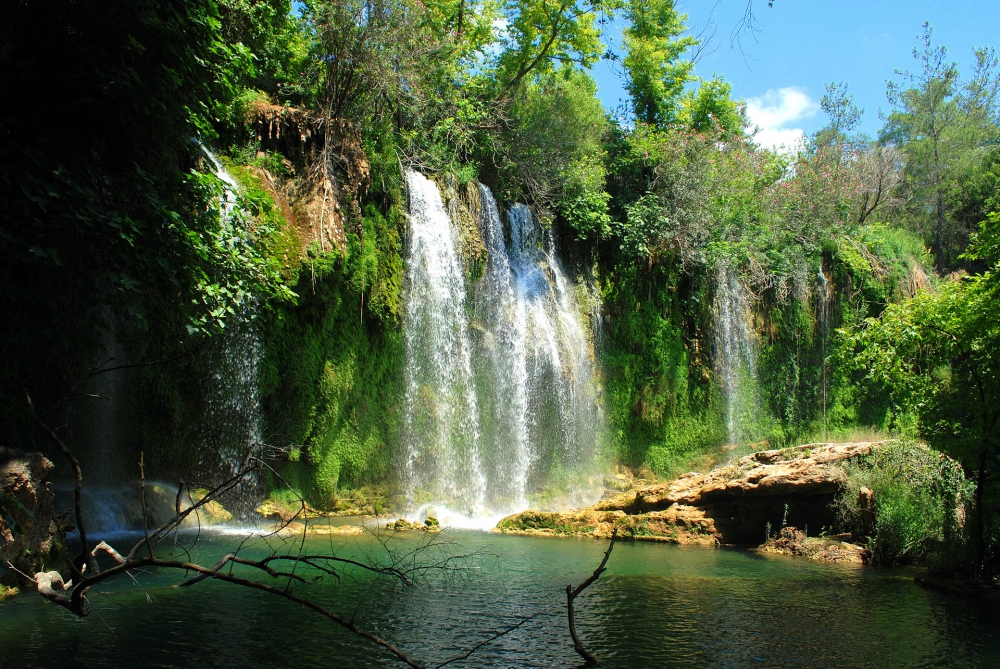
<point>792,486</point>
<point>295,529</point>
<point>791,541</point>
<point>30,534</point>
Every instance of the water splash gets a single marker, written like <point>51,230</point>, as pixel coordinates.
<point>501,396</point>
<point>735,354</point>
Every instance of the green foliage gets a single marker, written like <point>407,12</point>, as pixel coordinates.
<point>936,357</point>
<point>918,503</point>
<point>943,125</point>
<point>656,73</point>
<point>332,367</point>
<point>711,109</point>
<point>661,404</point>
<point>557,153</point>
<point>542,33</point>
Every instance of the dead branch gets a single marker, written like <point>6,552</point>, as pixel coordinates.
<point>86,558</point>
<point>487,641</point>
<point>572,594</point>
<point>404,568</point>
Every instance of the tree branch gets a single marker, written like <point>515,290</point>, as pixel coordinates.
<point>572,594</point>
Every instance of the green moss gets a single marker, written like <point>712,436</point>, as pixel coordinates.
<point>332,367</point>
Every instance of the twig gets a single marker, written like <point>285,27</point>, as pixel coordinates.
<point>142,496</point>
<point>86,557</point>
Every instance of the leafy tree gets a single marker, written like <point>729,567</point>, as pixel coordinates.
<point>711,109</point>
<point>938,356</point>
<point>941,127</point>
<point>556,149</point>
<point>656,73</point>
<point>541,34</point>
<point>845,118</point>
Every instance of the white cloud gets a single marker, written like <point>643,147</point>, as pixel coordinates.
<point>772,112</point>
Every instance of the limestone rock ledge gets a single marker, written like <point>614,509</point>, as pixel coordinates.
<point>677,525</point>
<point>736,504</point>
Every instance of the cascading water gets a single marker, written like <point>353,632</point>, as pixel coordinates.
<point>233,415</point>
<point>735,354</point>
<point>232,421</point>
<point>823,289</point>
<point>501,397</point>
<point>442,412</point>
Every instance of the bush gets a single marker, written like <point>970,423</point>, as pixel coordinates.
<point>917,507</point>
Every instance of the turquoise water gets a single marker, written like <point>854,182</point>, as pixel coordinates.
<point>656,606</point>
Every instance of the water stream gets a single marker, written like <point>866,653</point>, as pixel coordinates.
<point>824,293</point>
<point>230,425</point>
<point>501,398</point>
<point>735,354</point>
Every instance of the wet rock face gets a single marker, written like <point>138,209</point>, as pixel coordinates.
<point>29,534</point>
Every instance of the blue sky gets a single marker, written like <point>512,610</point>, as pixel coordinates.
<point>801,45</point>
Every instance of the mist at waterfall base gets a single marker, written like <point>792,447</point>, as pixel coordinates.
<point>501,397</point>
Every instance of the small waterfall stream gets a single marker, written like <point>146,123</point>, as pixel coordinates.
<point>824,292</point>
<point>501,397</point>
<point>231,423</point>
<point>735,354</point>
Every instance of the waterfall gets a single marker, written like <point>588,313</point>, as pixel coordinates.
<point>501,397</point>
<point>233,416</point>
<point>441,418</point>
<point>823,289</point>
<point>735,354</point>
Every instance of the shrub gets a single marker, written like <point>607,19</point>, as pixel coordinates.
<point>917,505</point>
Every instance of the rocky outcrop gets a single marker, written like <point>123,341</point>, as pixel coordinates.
<point>296,529</point>
<point>465,210</point>
<point>737,504</point>
<point>30,534</point>
<point>431,524</point>
<point>678,525</point>
<point>319,201</point>
<point>791,541</point>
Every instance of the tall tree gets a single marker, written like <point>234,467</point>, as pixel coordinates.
<point>656,71</point>
<point>540,34</point>
<point>845,118</point>
<point>942,126</point>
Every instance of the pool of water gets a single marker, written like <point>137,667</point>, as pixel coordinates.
<point>656,606</point>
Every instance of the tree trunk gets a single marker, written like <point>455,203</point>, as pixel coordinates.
<point>939,237</point>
